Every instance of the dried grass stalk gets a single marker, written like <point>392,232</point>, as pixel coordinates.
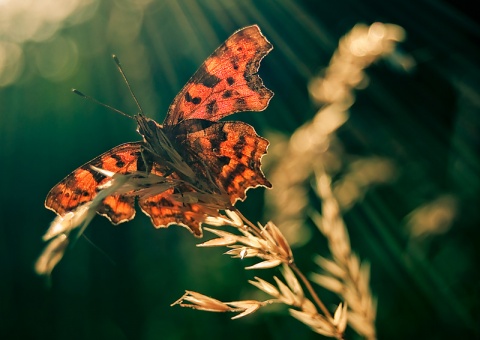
<point>268,244</point>
<point>345,274</point>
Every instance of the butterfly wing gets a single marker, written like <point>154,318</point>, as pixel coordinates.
<point>168,208</point>
<point>232,151</point>
<point>80,186</point>
<point>226,82</point>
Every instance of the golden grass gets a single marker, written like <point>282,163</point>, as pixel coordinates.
<point>344,274</point>
<point>268,244</point>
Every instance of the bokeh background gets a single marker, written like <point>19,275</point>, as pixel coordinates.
<point>420,111</point>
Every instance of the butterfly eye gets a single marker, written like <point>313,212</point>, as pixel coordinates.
<point>215,150</point>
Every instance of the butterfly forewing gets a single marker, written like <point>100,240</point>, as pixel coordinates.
<point>81,185</point>
<point>226,82</point>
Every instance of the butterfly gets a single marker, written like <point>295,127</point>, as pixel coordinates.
<point>207,164</point>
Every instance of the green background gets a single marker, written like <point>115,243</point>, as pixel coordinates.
<point>426,120</point>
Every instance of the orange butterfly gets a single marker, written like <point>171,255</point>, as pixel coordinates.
<point>206,165</point>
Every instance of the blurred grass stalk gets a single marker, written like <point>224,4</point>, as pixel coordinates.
<point>314,146</point>
<point>313,151</point>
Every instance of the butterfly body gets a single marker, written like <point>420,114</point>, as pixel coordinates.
<point>203,164</point>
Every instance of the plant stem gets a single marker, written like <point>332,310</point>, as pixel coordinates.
<point>310,290</point>
<point>255,229</point>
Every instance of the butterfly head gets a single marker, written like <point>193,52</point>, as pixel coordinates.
<point>146,126</point>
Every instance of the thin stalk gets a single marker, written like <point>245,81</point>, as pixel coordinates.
<point>254,228</point>
<point>310,290</point>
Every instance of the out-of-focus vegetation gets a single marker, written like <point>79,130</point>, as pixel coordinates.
<point>405,164</point>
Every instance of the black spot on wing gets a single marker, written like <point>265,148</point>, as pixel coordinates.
<point>80,192</point>
<point>219,138</point>
<point>240,104</point>
<point>212,107</point>
<point>253,163</point>
<point>190,99</point>
<point>98,177</point>
<point>230,81</point>
<point>207,79</point>
<point>235,61</point>
<point>165,203</point>
<point>239,146</point>
<point>223,160</point>
<point>124,199</point>
<point>120,163</point>
<point>239,170</point>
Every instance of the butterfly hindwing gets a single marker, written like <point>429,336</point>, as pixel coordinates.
<point>232,151</point>
<point>166,208</point>
<point>226,82</point>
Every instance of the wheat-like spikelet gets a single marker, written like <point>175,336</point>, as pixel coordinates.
<point>344,274</point>
<point>357,50</point>
<point>269,245</point>
<point>61,228</point>
<point>432,218</point>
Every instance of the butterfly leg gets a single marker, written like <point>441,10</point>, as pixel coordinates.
<point>144,159</point>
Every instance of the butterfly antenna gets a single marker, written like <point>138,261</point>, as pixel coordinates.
<point>117,62</point>
<point>100,103</point>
